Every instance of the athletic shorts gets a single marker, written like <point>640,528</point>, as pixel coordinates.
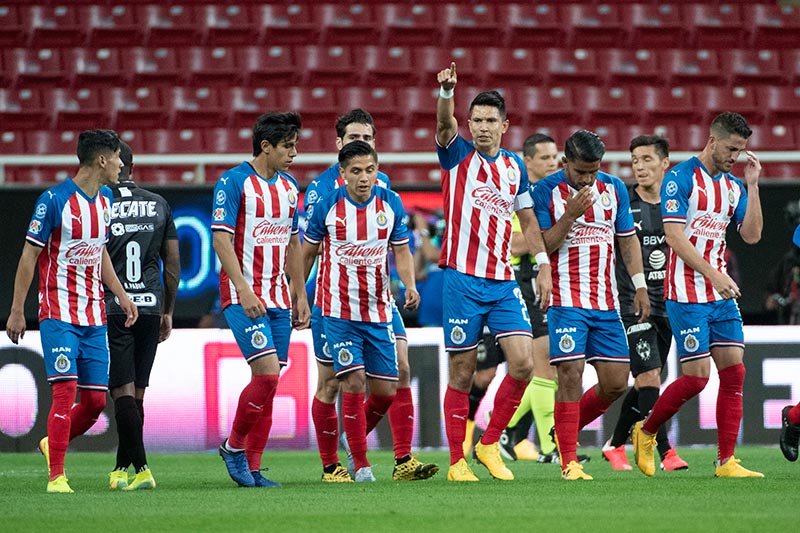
<point>586,333</point>
<point>699,327</point>
<point>132,350</point>
<point>368,346</point>
<point>527,284</point>
<point>262,336</point>
<point>649,343</point>
<point>471,302</point>
<point>75,353</point>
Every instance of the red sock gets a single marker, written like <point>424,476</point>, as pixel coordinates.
<point>456,410</point>
<point>257,437</point>
<point>592,406</point>
<point>401,418</point>
<point>58,424</point>
<point>355,425</point>
<point>326,424</point>
<point>84,414</point>
<point>251,402</point>
<point>375,409</point>
<point>729,409</point>
<point>672,399</point>
<point>794,415</point>
<point>506,402</point>
<point>567,415</point>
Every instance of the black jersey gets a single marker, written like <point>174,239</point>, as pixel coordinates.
<point>650,231</point>
<point>141,223</point>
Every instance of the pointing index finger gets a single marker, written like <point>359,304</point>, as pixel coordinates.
<point>453,68</point>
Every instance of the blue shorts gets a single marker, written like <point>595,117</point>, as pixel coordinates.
<point>471,302</point>
<point>368,346</point>
<point>262,336</point>
<point>586,334</point>
<point>699,327</point>
<point>321,351</point>
<point>75,353</point>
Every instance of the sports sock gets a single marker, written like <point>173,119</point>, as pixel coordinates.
<point>58,424</point>
<point>326,424</point>
<point>505,403</point>
<point>251,402</point>
<point>401,418</point>
<point>523,409</point>
<point>375,409</point>
<point>794,415</point>
<point>672,399</point>
<point>647,399</point>
<point>476,394</point>
<point>567,416</point>
<point>84,414</point>
<point>592,406</point>
<point>355,425</point>
<point>257,437</point>
<point>129,429</point>
<point>628,416</point>
<point>543,400</point>
<point>456,408</point>
<point>729,409</point>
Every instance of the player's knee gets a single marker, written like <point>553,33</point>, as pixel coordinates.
<point>94,401</point>
<point>651,378</point>
<point>403,376</point>
<point>521,370</point>
<point>328,389</point>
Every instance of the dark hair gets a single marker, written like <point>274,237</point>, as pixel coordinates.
<point>584,145</point>
<point>355,149</point>
<point>726,124</point>
<point>92,143</point>
<point>529,146</point>
<point>275,128</point>
<point>660,144</point>
<point>126,156</point>
<point>355,116</point>
<point>491,99</point>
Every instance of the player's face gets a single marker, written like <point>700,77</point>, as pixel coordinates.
<point>487,128</point>
<point>112,166</point>
<point>580,174</point>
<point>357,132</point>
<point>543,163</point>
<point>725,151</point>
<point>648,167</point>
<point>280,157</point>
<point>360,175</point>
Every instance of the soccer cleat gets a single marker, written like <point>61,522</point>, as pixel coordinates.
<point>142,481</point>
<point>554,456</point>
<point>44,449</point>
<point>790,435</point>
<point>118,479</point>
<point>506,446</point>
<point>643,446</point>
<point>59,485</point>
<point>468,437</point>
<point>732,468</point>
<point>672,461</point>
<point>339,475</point>
<point>263,482</point>
<point>489,456</point>
<point>237,466</point>
<point>526,451</point>
<point>364,474</point>
<point>351,465</point>
<point>414,470</point>
<point>574,471</point>
<point>460,472</point>
<point>616,456</point>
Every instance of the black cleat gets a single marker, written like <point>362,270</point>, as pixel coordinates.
<point>790,435</point>
<point>507,445</point>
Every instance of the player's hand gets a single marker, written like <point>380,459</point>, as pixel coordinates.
<point>725,286</point>
<point>412,299</point>
<point>578,203</point>
<point>15,327</point>
<point>166,327</point>
<point>301,315</point>
<point>251,304</point>
<point>544,286</point>
<point>447,78</point>
<point>641,304</point>
<point>752,169</point>
<point>131,311</point>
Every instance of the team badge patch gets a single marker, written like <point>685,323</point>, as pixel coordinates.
<point>690,343</point>
<point>41,210</point>
<point>381,220</point>
<point>292,198</point>
<point>35,227</point>
<point>672,188</point>
<point>312,197</point>
<point>567,343</point>
<point>310,211</point>
<point>219,214</point>
<point>326,350</point>
<point>258,340</point>
<point>106,216</point>
<point>345,357</point>
<point>731,197</point>
<point>221,197</point>
<point>457,335</point>
<point>671,205</point>
<point>643,349</point>
<point>605,200</point>
<point>512,175</point>
<point>62,364</point>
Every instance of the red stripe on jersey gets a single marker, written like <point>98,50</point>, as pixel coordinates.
<point>491,238</point>
<point>494,177</point>
<point>362,277</point>
<point>453,227</point>
<point>472,251</point>
<point>717,196</point>
<point>688,276</point>
<point>323,280</point>
<point>707,256</point>
<point>361,224</point>
<point>574,288</point>
<point>610,302</point>
<point>700,186</point>
<point>340,222</point>
<point>258,251</point>
<point>344,297</point>
<point>594,272</point>
<point>76,232</point>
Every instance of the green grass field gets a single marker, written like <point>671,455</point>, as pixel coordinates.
<point>195,494</point>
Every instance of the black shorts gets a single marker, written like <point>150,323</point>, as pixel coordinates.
<point>527,284</point>
<point>489,353</point>
<point>132,350</point>
<point>648,343</point>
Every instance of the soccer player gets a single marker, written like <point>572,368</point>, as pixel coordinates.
<point>583,212</point>
<point>256,238</point>
<point>483,184</point>
<point>356,224</point>
<point>142,232</point>
<point>699,198</point>
<point>70,224</point>
<point>648,341</point>
<point>790,416</point>
<point>358,125</point>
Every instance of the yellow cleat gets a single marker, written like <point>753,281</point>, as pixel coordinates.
<point>460,472</point>
<point>59,485</point>
<point>142,481</point>
<point>468,436</point>
<point>526,451</point>
<point>574,471</point>
<point>414,470</point>
<point>489,456</point>
<point>44,449</point>
<point>339,475</point>
<point>732,468</point>
<point>643,446</point>
<point>118,479</point>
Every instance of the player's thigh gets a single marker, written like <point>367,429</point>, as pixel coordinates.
<point>508,316</point>
<point>146,333</point>
<point>93,360</point>
<point>253,335</point>
<point>519,352</point>
<point>607,340</point>
<point>122,352</point>
<point>465,309</point>
<point>690,327</point>
<point>60,349</point>
<point>380,352</point>
<point>569,330</point>
<point>346,343</point>
<point>643,345</point>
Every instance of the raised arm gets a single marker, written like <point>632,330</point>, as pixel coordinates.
<point>753,222</point>
<point>446,124</point>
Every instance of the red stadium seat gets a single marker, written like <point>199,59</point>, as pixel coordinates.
<point>752,67</point>
<point>95,66</point>
<point>779,103</point>
<point>12,30</point>
<point>638,67</point>
<point>210,65</point>
<point>561,66</point>
<point>692,66</point>
<point>194,107</point>
<point>53,26</point>
<point>226,25</point>
<point>773,25</point>
<point>411,175</point>
<point>286,24</point>
<point>428,61</point>
<point>35,66</point>
<point>134,139</point>
<point>407,139</point>
<point>170,25</point>
<point>379,101</point>
<point>544,106</point>
<point>153,65</point>
<point>715,25</point>
<point>772,137</point>
<point>347,23</point>
<point>670,104</point>
<point>418,104</point>
<point>226,140</point>
<point>504,66</point>
<point>138,108</point>
<point>174,141</point>
<point>790,171</point>
<point>790,60</point>
<point>317,106</point>
<point>268,65</point>
<point>112,25</point>
<point>408,24</point>
<point>594,26</point>
<point>470,25</point>
<point>386,66</point>
<point>532,25</point>
<point>514,138</point>
<point>316,140</point>
<point>167,175</point>
<point>715,100</point>
<point>305,174</point>
<point>692,137</point>
<point>80,109</point>
<point>627,132</point>
<point>246,104</point>
<point>654,25</point>
<point>24,109</point>
<point>38,175</point>
<point>326,65</point>
<point>12,143</point>
<point>607,105</point>
<point>51,142</point>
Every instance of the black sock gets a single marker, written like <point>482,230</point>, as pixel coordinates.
<point>628,416</point>
<point>140,407</point>
<point>520,430</point>
<point>475,396</point>
<point>129,427</point>
<point>404,459</point>
<point>330,468</point>
<point>647,399</point>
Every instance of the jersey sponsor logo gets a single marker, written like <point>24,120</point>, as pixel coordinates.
<point>342,344</point>
<point>485,197</point>
<point>690,343</point>
<point>671,205</point>
<point>221,197</point>
<point>652,240</point>
<point>147,299</point>
<point>258,339</point>
<point>657,259</point>
<point>605,200</point>
<point>345,357</point>
<point>267,232</point>
<point>134,209</point>
<point>643,349</point>
<point>310,210</point>
<point>354,254</point>
<point>695,329</point>
<point>566,343</point>
<point>35,227</point>
<point>62,364</point>
<point>219,214</point>
<point>41,210</point>
<point>462,321</point>
<point>135,228</point>
<point>381,220</point>
<point>457,335</point>
<point>312,198</point>
<point>254,327</point>
<point>591,235</point>
<point>636,328</point>
<point>708,226</point>
<point>117,229</point>
<point>657,275</point>
<point>83,254</point>
<point>566,330</point>
<point>672,187</point>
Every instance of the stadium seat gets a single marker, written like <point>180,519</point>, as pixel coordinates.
<point>715,25</point>
<point>111,25</point>
<point>268,65</point>
<point>192,107</point>
<point>636,67</point>
<point>567,66</point>
<point>544,106</point>
<point>281,24</point>
<point>407,139</point>
<point>305,174</point>
<point>213,65</point>
<point>317,105</point>
<point>138,108</point>
<point>608,132</point>
<point>532,25</point>
<point>412,175</point>
<point>12,30</point>
<point>670,104</point>
<point>43,142</point>
<point>168,175</point>
<point>383,66</point>
<point>316,140</point>
<point>227,25</point>
<point>39,176</point>
<point>346,23</point>
<point>607,105</point>
<point>715,100</point>
<point>692,67</point>
<point>52,26</point>
<point>153,65</point>
<point>508,66</point>
<point>654,25</point>
<point>89,66</point>
<point>226,140</point>
<point>789,171</point>
<point>169,25</point>
<point>594,26</point>
<point>692,137</point>
<point>774,25</point>
<point>772,137</point>
<point>379,101</point>
<point>79,109</point>
<point>779,103</point>
<point>429,60</point>
<point>35,66</point>
<point>752,67</point>
<point>408,24</point>
<point>514,138</point>
<point>418,105</point>
<point>174,141</point>
<point>790,61</point>
<point>134,139</point>
<point>246,104</point>
<point>24,109</point>
<point>471,25</point>
<point>627,132</point>
<point>326,65</point>
<point>12,142</point>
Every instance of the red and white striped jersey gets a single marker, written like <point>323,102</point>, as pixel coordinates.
<point>73,230</point>
<point>354,282</point>
<point>262,216</point>
<point>480,194</point>
<point>584,274</point>
<point>706,205</point>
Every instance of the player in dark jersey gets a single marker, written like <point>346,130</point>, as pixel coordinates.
<point>648,341</point>
<point>142,232</point>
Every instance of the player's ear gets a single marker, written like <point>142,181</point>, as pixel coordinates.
<point>265,146</point>
<point>339,143</point>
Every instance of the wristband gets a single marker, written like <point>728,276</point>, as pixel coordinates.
<point>542,258</point>
<point>446,94</point>
<point>638,281</point>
